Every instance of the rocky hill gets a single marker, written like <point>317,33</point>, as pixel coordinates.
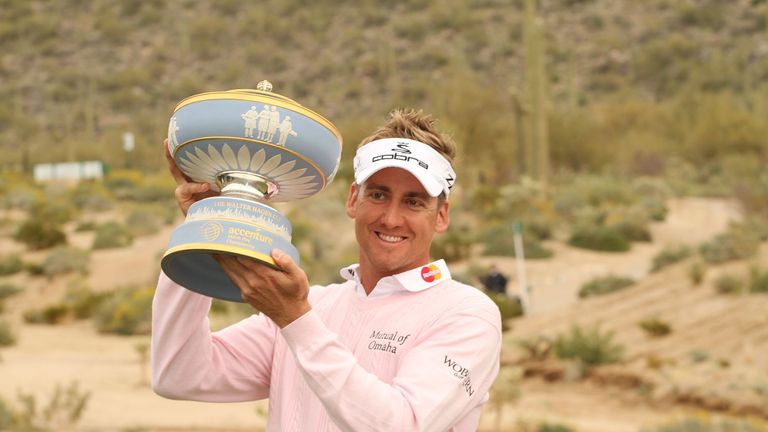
<point>75,75</point>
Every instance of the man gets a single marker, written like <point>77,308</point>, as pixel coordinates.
<point>399,346</point>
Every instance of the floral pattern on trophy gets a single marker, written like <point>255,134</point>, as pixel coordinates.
<point>292,183</point>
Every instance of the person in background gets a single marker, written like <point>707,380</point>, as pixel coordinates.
<point>494,281</point>
<point>398,346</point>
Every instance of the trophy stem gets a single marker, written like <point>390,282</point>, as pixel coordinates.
<point>243,184</point>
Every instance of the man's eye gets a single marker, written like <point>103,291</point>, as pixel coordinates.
<point>412,202</point>
<point>377,195</point>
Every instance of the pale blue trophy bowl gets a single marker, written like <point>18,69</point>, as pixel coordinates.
<point>255,147</point>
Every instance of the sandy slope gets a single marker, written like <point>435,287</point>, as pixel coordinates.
<point>109,368</point>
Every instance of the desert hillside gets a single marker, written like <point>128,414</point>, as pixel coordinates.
<point>657,381</point>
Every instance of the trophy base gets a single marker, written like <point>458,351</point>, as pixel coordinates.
<point>224,225</point>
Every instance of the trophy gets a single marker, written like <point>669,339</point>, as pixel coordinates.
<point>254,147</point>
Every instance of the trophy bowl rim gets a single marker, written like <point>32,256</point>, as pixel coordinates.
<point>264,97</point>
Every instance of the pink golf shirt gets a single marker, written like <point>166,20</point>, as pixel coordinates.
<point>419,353</point>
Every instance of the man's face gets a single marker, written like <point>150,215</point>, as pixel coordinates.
<point>395,220</point>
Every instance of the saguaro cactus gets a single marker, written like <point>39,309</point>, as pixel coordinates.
<point>537,153</point>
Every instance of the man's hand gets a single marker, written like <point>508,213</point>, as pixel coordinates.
<point>187,191</point>
<point>280,294</point>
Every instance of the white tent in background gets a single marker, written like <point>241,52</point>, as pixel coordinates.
<point>68,171</point>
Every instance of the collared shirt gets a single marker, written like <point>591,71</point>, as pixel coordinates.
<point>431,356</point>
<point>414,280</point>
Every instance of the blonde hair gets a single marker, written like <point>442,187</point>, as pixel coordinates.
<point>415,125</point>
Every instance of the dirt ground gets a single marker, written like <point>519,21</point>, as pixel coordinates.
<point>110,368</point>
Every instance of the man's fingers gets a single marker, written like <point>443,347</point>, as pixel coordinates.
<point>284,261</point>
<point>177,174</point>
<point>186,191</point>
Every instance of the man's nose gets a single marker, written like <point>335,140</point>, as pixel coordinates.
<point>392,215</point>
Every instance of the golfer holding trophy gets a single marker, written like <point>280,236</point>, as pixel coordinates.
<point>398,346</point>
<point>253,147</point>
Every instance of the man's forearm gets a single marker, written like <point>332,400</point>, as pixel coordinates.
<point>188,362</point>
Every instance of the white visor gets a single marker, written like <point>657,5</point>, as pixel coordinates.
<point>425,163</point>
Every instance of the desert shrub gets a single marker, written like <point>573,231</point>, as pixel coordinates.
<point>117,180</point>
<point>652,361</point>
<point>65,259</point>
<point>591,191</point>
<point>506,389</point>
<point>698,355</point>
<point>525,202</point>
<point>35,269</point>
<point>634,230</point>
<point>53,314</point>
<point>40,233</point>
<point>604,285</point>
<point>670,255</point>
<point>22,197</point>
<point>453,245</point>
<point>709,425</point>
<point>509,307</point>
<point>150,193</point>
<point>758,280</point>
<point>143,221</point>
<point>757,225</point>
<point>654,194</point>
<point>538,228</point>
<point>10,264</point>
<point>471,275</point>
<point>61,412</point>
<point>696,272</point>
<point>91,196</point>
<point>82,301</point>
<point>599,238</point>
<point>7,416</point>
<point>632,223</point>
<point>57,209</point>
<point>7,290</point>
<point>8,226</point>
<point>499,240</point>
<point>591,346</point>
<point>761,389</point>
<point>549,427</point>
<point>84,226</point>
<point>7,337</point>
<point>655,327</point>
<point>128,312</point>
<point>728,283</point>
<point>737,243</point>
<point>655,208</point>
<point>134,186</point>
<point>536,347</point>
<point>112,235</point>
<point>79,303</point>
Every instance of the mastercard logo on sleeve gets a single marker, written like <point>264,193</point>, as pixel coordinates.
<point>430,273</point>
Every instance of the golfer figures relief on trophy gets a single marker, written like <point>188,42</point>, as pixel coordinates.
<point>255,147</point>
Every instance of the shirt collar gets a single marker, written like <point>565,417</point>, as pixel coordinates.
<point>414,280</point>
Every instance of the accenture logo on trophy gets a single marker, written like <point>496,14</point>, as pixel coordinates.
<point>430,273</point>
<point>211,231</point>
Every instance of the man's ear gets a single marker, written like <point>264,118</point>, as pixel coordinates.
<point>351,205</point>
<point>443,218</point>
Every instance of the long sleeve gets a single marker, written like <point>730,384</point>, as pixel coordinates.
<point>443,377</point>
<point>189,362</point>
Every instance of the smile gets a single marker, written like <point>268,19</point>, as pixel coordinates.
<point>389,238</point>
